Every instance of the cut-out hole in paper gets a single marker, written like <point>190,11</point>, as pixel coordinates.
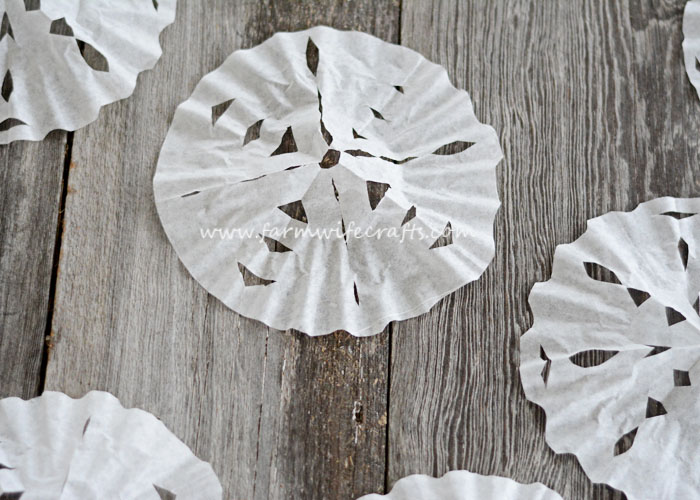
<point>312,56</point>
<point>657,349</point>
<point>358,149</point>
<point>165,494</point>
<point>326,134</point>
<point>59,55</point>
<point>295,210</point>
<point>6,27</point>
<point>600,273</point>
<point>253,179</point>
<point>30,5</point>
<point>445,239</point>
<point>681,378</point>
<point>655,408</point>
<point>377,114</point>
<point>335,191</point>
<point>616,413</point>
<point>287,145</point>
<point>638,296</point>
<point>375,192</point>
<point>673,317</point>
<point>218,110</point>
<point>253,132</point>
<point>93,57</point>
<point>155,4</point>
<point>10,123</point>
<point>683,252</point>
<point>410,215</point>
<point>344,233</point>
<point>678,215</point>
<point>61,27</point>
<point>252,279</point>
<point>94,448</point>
<point>324,131</point>
<point>275,246</point>
<point>547,365</point>
<point>359,152</point>
<point>16,495</point>
<point>625,442</point>
<point>330,159</point>
<point>453,148</point>
<point>398,162</point>
<point>592,357</point>
<point>7,86</point>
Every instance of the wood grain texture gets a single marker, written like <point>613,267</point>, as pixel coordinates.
<point>595,113</point>
<point>278,414</point>
<point>30,192</point>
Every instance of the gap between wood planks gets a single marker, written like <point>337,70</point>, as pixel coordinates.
<point>48,332</point>
<point>390,333</point>
<point>47,345</point>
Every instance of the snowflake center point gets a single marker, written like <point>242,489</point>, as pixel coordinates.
<point>330,159</point>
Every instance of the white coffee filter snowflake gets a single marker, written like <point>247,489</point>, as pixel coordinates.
<point>464,485</point>
<point>61,448</point>
<point>613,354</point>
<point>327,180</point>
<point>691,42</point>
<point>62,60</point>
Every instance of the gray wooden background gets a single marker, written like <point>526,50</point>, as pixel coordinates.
<point>595,113</point>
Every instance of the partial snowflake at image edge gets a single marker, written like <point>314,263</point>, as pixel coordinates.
<point>691,42</point>
<point>613,356</point>
<point>87,63</point>
<point>464,485</point>
<point>328,180</point>
<point>54,446</point>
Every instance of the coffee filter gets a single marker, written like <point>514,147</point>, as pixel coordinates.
<point>54,446</point>
<point>62,60</point>
<point>612,356</point>
<point>464,485</point>
<point>286,162</point>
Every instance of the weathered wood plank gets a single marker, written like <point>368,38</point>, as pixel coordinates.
<point>272,411</point>
<point>595,114</point>
<point>30,193</point>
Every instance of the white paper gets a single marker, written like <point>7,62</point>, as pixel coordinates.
<point>644,316</point>
<point>691,42</point>
<point>52,85</point>
<point>464,485</point>
<point>55,447</point>
<point>222,168</point>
